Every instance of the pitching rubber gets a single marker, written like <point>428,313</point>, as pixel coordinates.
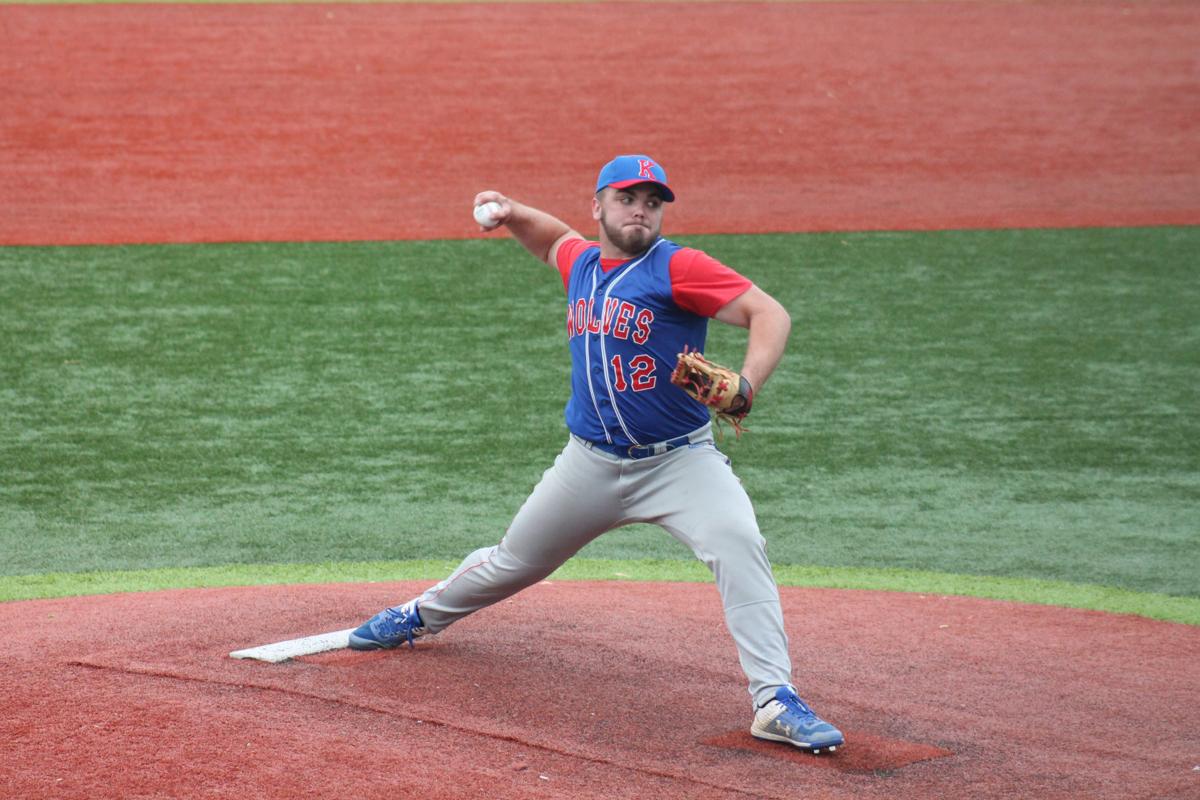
<point>293,648</point>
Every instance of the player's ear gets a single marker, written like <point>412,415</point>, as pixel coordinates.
<point>596,205</point>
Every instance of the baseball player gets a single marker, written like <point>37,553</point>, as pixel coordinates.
<point>640,448</point>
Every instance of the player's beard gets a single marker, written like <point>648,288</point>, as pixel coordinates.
<point>631,239</point>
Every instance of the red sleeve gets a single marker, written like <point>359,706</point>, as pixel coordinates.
<point>568,251</point>
<point>701,284</point>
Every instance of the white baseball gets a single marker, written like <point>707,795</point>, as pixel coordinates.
<point>486,214</point>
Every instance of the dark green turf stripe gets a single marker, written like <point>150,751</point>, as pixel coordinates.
<point>1019,404</point>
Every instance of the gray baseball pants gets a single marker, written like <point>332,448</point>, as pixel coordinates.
<point>691,492</point>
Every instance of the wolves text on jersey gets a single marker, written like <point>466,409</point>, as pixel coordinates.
<point>622,319</point>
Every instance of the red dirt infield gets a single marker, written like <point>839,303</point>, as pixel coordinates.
<point>590,690</point>
<point>135,123</point>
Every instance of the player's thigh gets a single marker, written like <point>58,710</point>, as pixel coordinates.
<point>707,508</point>
<point>574,502</point>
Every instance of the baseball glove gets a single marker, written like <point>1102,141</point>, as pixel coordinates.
<point>727,394</point>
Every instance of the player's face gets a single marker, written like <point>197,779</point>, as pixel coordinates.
<point>630,219</point>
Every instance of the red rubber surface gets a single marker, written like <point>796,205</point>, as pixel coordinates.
<point>608,690</point>
<point>215,123</point>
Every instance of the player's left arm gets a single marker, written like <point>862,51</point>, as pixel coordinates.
<point>769,324</point>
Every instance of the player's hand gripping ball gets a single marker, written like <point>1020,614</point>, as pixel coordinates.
<point>486,214</point>
<point>727,394</point>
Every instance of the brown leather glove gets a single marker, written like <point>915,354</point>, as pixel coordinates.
<point>723,390</point>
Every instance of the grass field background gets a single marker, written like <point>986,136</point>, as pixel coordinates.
<point>1005,413</point>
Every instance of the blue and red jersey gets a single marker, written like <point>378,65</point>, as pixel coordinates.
<point>627,320</point>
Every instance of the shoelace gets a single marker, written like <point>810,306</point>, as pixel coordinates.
<point>400,616</point>
<point>798,706</point>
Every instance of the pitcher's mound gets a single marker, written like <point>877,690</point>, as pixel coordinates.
<point>590,690</point>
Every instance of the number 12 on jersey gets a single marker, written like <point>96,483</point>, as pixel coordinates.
<point>641,373</point>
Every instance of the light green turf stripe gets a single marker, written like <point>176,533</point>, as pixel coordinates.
<point>1041,592</point>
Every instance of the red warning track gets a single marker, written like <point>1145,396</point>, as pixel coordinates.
<point>590,690</point>
<point>212,123</point>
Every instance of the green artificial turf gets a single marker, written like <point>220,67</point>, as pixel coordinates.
<point>1017,404</point>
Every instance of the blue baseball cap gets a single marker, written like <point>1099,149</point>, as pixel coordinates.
<point>625,171</point>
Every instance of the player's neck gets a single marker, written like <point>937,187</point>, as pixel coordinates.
<point>611,252</point>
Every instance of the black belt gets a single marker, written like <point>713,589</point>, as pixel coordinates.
<point>639,450</point>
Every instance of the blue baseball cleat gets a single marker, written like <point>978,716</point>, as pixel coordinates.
<point>788,719</point>
<point>389,628</point>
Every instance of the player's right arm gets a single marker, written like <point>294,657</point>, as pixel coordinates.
<point>538,232</point>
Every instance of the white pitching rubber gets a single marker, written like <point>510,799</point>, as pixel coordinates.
<point>294,648</point>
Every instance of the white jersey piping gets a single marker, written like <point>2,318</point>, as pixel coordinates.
<point>612,397</point>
